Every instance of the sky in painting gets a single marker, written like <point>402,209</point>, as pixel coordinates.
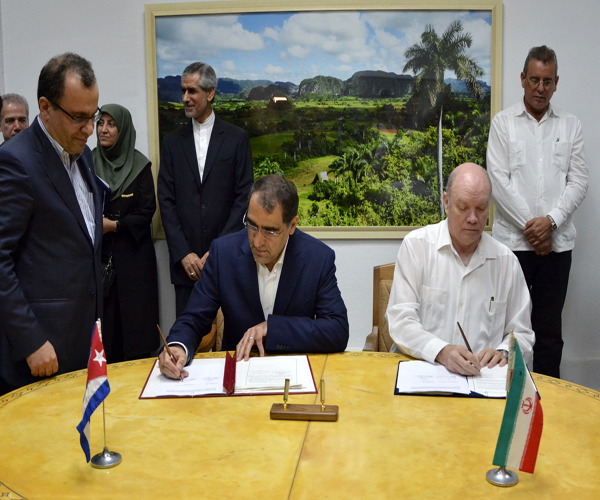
<point>290,47</point>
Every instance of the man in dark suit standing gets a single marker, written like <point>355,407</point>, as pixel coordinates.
<point>50,231</point>
<point>203,182</point>
<point>275,284</point>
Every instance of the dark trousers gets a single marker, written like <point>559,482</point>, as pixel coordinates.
<point>6,387</point>
<point>547,279</point>
<point>182,295</point>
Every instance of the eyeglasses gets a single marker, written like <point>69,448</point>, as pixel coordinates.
<point>535,82</point>
<point>254,229</point>
<point>80,121</point>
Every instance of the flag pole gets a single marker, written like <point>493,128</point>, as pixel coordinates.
<point>106,459</point>
<point>502,476</point>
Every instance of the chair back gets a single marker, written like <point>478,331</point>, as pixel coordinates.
<point>214,339</point>
<point>379,339</point>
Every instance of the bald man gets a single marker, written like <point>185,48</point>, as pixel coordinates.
<point>452,272</point>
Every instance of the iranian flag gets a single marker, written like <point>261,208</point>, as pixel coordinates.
<point>523,420</point>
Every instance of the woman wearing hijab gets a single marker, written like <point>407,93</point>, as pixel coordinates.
<point>131,296</point>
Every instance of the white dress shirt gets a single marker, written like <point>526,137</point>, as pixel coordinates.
<point>85,197</point>
<point>268,281</point>
<point>536,169</point>
<point>202,133</point>
<point>433,290</point>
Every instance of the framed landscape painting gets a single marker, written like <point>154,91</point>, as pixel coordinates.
<point>367,108</point>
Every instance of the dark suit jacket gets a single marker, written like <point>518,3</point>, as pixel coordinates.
<point>309,314</point>
<point>50,285</point>
<point>194,213</point>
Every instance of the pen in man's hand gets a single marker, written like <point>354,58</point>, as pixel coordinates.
<point>169,350</point>
<point>467,342</point>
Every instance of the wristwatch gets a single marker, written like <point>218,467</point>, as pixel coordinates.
<point>504,352</point>
<point>554,226</point>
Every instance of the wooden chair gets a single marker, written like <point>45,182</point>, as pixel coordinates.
<point>379,339</point>
<point>214,338</point>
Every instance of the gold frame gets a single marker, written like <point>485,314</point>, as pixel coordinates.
<point>245,6</point>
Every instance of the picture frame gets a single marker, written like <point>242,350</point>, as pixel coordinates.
<point>340,181</point>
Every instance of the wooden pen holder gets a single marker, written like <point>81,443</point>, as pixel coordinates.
<point>304,412</point>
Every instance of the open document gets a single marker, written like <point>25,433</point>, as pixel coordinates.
<point>256,376</point>
<point>421,377</point>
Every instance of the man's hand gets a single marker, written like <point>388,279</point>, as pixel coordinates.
<point>544,248</point>
<point>167,368</point>
<point>108,226</point>
<point>203,260</point>
<point>193,265</point>
<point>491,358</point>
<point>538,230</point>
<point>43,362</point>
<point>458,360</point>
<point>254,335</point>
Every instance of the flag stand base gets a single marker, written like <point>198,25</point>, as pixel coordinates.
<point>106,459</point>
<point>502,477</point>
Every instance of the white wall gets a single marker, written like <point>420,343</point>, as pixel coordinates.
<point>110,33</point>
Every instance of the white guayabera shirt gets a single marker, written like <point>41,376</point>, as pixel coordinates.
<point>536,169</point>
<point>433,290</point>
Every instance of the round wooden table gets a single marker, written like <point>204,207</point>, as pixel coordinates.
<point>383,446</point>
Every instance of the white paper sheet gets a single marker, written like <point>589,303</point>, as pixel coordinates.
<point>421,376</point>
<point>267,373</point>
<point>203,378</point>
<point>491,382</point>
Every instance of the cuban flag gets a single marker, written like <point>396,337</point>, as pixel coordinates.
<point>96,390</point>
<point>523,420</point>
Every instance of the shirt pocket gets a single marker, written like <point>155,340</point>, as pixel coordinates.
<point>516,155</point>
<point>433,306</point>
<point>492,321</point>
<point>561,155</point>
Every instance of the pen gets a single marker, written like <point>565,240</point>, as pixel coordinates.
<point>169,350</point>
<point>489,310</point>
<point>466,341</point>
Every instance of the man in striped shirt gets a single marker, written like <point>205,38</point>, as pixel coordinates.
<point>50,231</point>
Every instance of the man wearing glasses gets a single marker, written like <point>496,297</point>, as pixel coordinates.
<point>50,231</point>
<point>275,285</point>
<point>537,166</point>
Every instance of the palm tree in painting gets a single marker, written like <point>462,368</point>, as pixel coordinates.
<point>430,59</point>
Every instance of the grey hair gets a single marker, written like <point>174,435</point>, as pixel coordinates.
<point>208,77</point>
<point>16,99</point>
